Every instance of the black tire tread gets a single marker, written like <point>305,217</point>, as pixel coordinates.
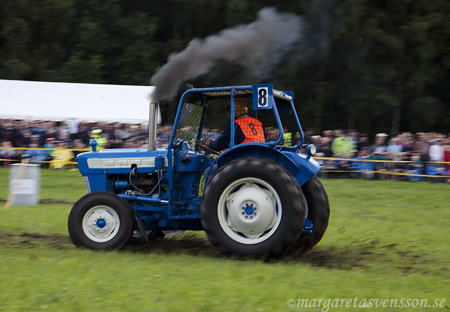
<point>317,200</point>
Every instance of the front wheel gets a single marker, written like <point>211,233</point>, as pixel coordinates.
<point>253,207</point>
<point>100,220</point>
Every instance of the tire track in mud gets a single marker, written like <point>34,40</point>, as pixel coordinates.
<point>30,240</point>
<point>190,244</point>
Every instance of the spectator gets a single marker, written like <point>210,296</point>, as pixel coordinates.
<point>8,131</point>
<point>2,130</point>
<point>308,136</point>
<point>436,152</point>
<point>406,141</point>
<point>352,135</point>
<point>38,130</point>
<point>120,132</point>
<point>378,150</point>
<point>36,155</point>
<point>287,137</point>
<point>328,134</point>
<point>326,146</point>
<point>79,145</point>
<point>73,128</point>
<point>61,156</point>
<point>422,146</point>
<point>18,139</point>
<point>394,146</point>
<point>363,143</point>
<point>416,168</point>
<point>63,131</point>
<point>97,134</point>
<point>8,153</point>
<point>341,146</point>
<point>317,141</point>
<point>64,135</point>
<point>273,134</point>
<point>163,136</point>
<point>447,156</point>
<point>51,130</point>
<point>365,168</point>
<point>49,143</point>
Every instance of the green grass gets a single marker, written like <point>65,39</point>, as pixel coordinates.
<point>387,240</point>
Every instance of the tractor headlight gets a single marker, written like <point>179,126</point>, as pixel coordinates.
<point>311,149</point>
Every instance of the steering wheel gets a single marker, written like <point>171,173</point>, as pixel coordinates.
<point>206,147</point>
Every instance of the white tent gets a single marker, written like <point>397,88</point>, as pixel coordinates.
<point>33,100</point>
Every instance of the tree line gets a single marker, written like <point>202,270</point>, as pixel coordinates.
<point>374,66</point>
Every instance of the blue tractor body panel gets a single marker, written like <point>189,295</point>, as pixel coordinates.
<point>95,166</point>
<point>299,165</point>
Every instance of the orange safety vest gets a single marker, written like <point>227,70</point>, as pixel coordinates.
<point>252,129</point>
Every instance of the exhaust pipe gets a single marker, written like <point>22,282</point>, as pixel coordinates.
<point>152,122</point>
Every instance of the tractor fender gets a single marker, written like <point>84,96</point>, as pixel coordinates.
<point>299,165</point>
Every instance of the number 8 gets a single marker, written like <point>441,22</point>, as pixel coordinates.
<point>262,97</point>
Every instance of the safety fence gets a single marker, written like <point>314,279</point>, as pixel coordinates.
<point>331,167</point>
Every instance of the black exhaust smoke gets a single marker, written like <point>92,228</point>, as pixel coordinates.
<point>257,46</point>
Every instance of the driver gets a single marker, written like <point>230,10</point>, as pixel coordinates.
<point>246,129</point>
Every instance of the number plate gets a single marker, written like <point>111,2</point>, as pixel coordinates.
<point>262,96</point>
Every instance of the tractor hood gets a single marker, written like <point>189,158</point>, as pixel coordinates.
<point>121,160</point>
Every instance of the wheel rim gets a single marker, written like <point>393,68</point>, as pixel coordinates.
<point>101,224</point>
<point>249,210</point>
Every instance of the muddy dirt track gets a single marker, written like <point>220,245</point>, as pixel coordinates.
<point>195,246</point>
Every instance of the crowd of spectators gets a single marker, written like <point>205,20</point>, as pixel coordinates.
<point>405,156</point>
<point>61,140</point>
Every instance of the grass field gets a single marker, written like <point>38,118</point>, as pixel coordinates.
<point>385,240</point>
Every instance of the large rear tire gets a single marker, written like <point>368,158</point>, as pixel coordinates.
<point>252,207</point>
<point>318,212</point>
<point>101,220</point>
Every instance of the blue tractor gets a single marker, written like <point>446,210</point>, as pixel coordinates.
<point>255,199</point>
